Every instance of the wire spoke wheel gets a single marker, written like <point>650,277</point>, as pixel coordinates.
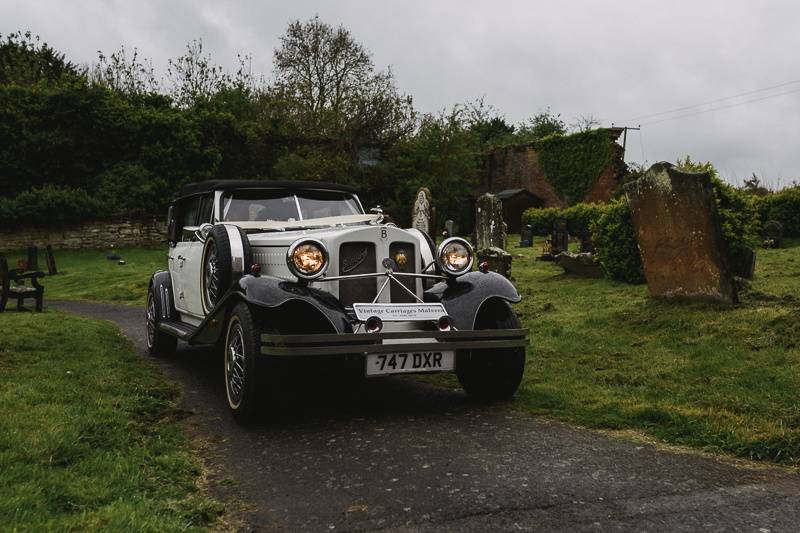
<point>211,280</point>
<point>235,363</point>
<point>151,319</point>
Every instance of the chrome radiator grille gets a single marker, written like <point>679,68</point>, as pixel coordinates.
<point>357,258</point>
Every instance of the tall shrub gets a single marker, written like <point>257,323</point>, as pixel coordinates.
<point>615,242</point>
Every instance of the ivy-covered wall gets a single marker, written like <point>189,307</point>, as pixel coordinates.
<point>562,170</point>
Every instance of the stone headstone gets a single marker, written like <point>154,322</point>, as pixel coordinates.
<point>679,236</point>
<point>582,264</point>
<point>422,211</point>
<point>33,258</point>
<point>51,261</point>
<point>772,234</point>
<point>449,227</point>
<point>559,240</point>
<point>490,230</point>
<point>587,244</point>
<point>743,264</point>
<point>491,234</point>
<point>526,236</point>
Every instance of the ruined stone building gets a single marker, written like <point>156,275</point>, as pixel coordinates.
<point>516,174</point>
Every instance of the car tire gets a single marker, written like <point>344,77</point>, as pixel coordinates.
<point>492,375</point>
<point>159,344</point>
<point>241,352</point>
<point>223,263</point>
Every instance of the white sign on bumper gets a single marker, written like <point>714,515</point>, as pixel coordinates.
<point>400,312</point>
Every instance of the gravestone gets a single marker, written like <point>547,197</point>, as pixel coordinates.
<point>679,236</point>
<point>582,264</point>
<point>587,244</point>
<point>559,241</point>
<point>526,236</point>
<point>33,258</point>
<point>491,235</point>
<point>422,212</point>
<point>772,234</point>
<point>51,261</point>
<point>449,227</point>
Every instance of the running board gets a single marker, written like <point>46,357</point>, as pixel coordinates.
<point>177,329</point>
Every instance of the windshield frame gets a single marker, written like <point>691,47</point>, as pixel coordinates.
<point>224,195</point>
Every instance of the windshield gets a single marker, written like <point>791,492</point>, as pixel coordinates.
<point>276,205</point>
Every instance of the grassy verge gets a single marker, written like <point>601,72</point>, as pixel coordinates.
<point>86,442</point>
<point>605,356</point>
<point>88,275</point>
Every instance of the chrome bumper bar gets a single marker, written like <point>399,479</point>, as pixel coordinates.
<point>366,343</point>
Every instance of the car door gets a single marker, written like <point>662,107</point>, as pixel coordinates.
<point>187,212</point>
<point>192,268</point>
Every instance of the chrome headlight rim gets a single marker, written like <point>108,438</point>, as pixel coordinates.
<point>440,263</point>
<point>296,271</point>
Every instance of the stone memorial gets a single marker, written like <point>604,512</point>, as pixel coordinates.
<point>526,236</point>
<point>449,227</point>
<point>422,211</point>
<point>559,241</point>
<point>51,261</point>
<point>33,258</point>
<point>491,235</point>
<point>771,234</point>
<point>582,264</point>
<point>679,236</point>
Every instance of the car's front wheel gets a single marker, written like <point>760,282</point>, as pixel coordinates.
<point>159,344</point>
<point>242,346</point>
<point>492,375</point>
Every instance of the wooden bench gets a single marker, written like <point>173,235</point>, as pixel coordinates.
<point>13,286</point>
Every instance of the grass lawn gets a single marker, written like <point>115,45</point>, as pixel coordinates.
<point>604,356</point>
<point>86,440</point>
<point>88,275</point>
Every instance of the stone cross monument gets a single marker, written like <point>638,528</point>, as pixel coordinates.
<point>422,211</point>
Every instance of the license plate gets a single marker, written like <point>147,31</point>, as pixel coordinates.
<point>379,364</point>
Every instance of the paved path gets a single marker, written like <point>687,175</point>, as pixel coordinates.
<point>405,456</point>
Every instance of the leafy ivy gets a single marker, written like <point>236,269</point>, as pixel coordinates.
<point>572,163</point>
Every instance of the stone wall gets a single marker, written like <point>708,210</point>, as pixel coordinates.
<point>98,234</point>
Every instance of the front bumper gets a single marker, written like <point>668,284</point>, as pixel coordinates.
<point>367,343</point>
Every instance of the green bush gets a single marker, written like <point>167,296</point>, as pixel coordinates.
<point>783,206</point>
<point>131,189</point>
<point>615,242</point>
<point>579,218</point>
<point>48,205</point>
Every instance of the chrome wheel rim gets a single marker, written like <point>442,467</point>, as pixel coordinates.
<point>211,277</point>
<point>234,363</point>
<point>151,319</point>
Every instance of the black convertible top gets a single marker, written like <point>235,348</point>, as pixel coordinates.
<point>228,185</point>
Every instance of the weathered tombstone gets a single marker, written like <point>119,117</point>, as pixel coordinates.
<point>422,212</point>
<point>587,244</point>
<point>449,227</point>
<point>526,236</point>
<point>582,264</point>
<point>490,234</point>
<point>51,261</point>
<point>560,238</point>
<point>772,234</point>
<point>679,235</point>
<point>33,258</point>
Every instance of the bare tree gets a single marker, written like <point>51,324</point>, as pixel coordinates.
<point>330,82</point>
<point>194,76</point>
<point>585,123</point>
<point>132,76</point>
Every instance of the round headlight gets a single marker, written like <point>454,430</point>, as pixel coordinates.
<point>454,256</point>
<point>307,259</point>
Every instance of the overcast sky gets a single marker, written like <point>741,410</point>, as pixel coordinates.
<point>619,61</point>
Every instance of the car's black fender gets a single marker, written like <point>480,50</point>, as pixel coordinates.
<point>161,283</point>
<point>463,297</point>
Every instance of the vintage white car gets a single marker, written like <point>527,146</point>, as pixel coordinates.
<point>281,270</point>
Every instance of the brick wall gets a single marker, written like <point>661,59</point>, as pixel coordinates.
<point>98,234</point>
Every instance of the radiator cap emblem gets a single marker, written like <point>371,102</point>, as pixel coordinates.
<point>389,264</point>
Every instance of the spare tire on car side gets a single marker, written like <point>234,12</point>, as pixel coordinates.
<point>226,258</point>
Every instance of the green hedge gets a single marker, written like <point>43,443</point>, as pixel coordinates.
<point>615,242</point>
<point>579,217</point>
<point>783,206</point>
